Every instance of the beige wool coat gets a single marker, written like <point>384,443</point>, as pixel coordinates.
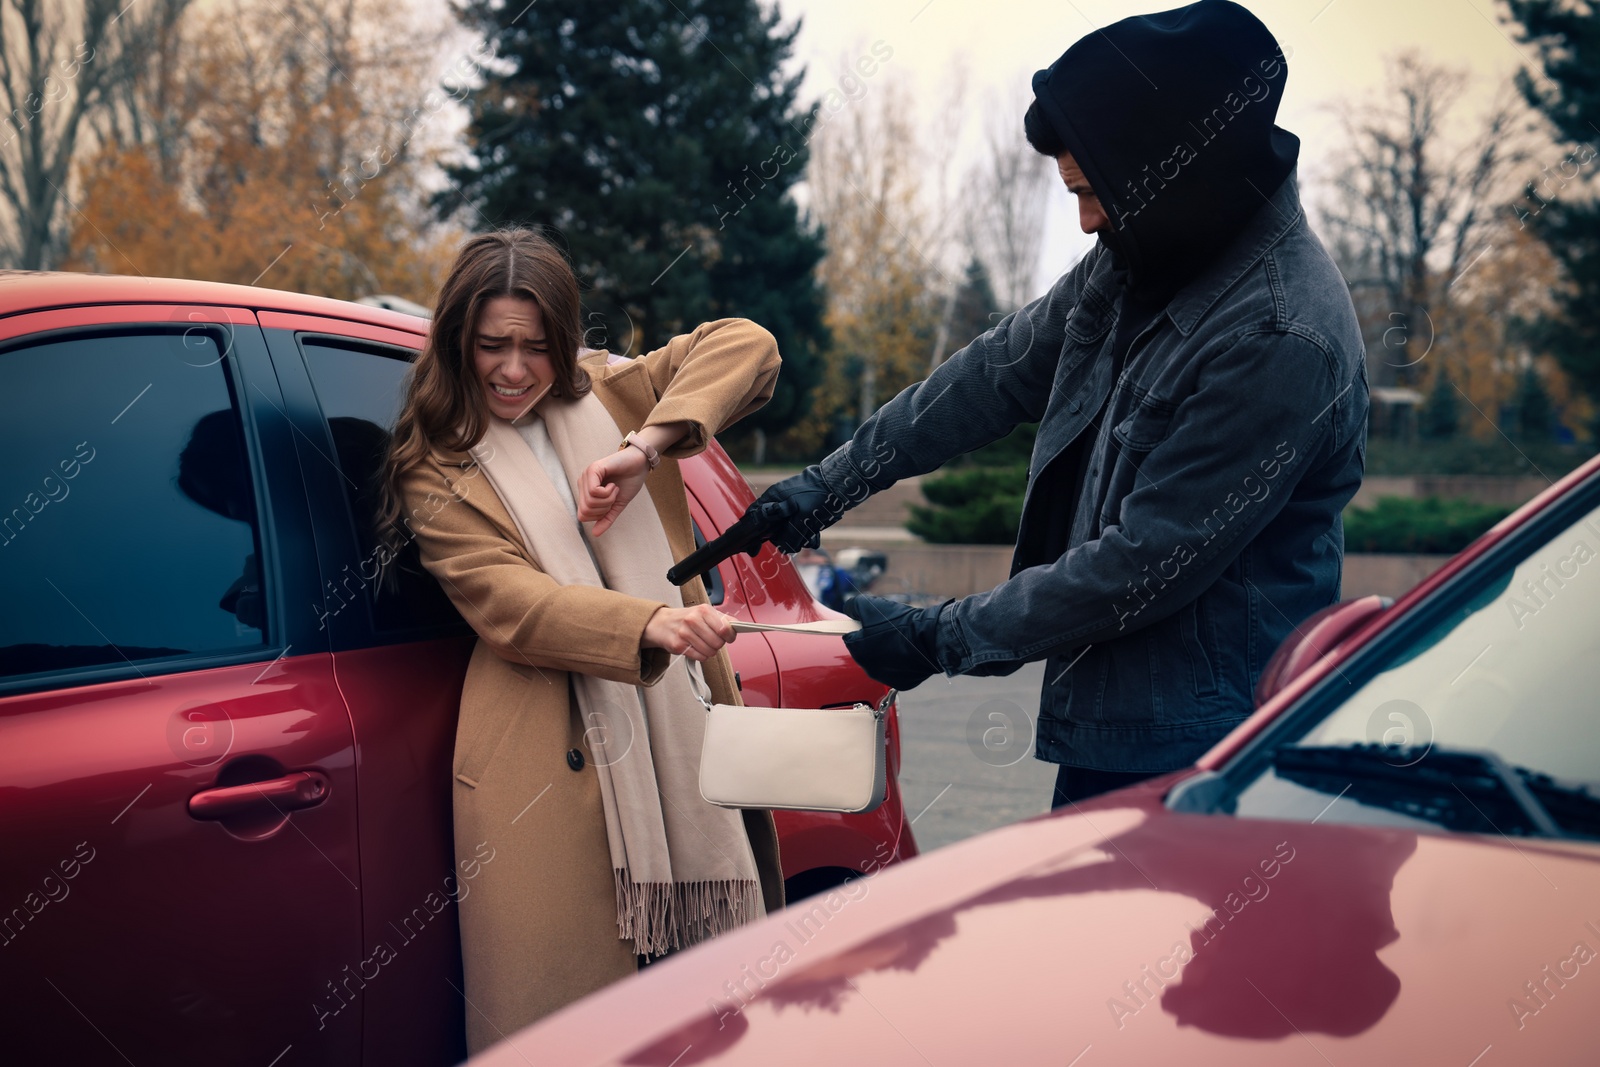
<point>538,920</point>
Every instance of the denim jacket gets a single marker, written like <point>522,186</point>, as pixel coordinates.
<point>1207,521</point>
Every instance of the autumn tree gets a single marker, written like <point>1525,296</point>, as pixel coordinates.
<point>61,63</point>
<point>1447,281</point>
<point>1004,199</point>
<point>1414,204</point>
<point>273,143</point>
<point>1488,345</point>
<point>1008,190</point>
<point>887,284</point>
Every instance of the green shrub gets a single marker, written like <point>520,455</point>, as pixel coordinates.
<point>982,505</point>
<point>1430,525</point>
<point>1467,455</point>
<point>971,506</point>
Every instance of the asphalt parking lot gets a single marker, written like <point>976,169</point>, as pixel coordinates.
<point>967,761</point>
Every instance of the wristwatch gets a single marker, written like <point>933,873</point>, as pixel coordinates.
<point>652,458</point>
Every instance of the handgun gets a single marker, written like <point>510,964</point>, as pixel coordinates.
<point>747,536</point>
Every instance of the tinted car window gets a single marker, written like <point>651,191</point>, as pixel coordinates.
<point>361,389</point>
<point>129,525</point>
<point>713,577</point>
<point>1488,724</point>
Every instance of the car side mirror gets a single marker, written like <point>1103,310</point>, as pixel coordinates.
<point>1314,639</point>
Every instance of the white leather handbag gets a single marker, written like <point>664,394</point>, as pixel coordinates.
<point>796,759</point>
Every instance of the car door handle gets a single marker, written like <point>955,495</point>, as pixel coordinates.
<point>301,789</point>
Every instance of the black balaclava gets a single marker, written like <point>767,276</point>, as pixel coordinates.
<point>1171,118</point>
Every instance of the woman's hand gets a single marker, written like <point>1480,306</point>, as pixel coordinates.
<point>608,484</point>
<point>696,632</point>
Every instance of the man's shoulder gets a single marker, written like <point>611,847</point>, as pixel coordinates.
<point>1093,269</point>
<point>1292,287</point>
<point>1309,293</point>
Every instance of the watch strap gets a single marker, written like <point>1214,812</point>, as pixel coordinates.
<point>652,458</point>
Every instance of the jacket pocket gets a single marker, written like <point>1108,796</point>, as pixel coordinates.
<point>474,762</point>
<point>1082,684</point>
<point>1146,425</point>
<point>1089,321</point>
<point>482,731</point>
<point>1202,673</point>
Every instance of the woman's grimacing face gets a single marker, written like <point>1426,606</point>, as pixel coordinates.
<point>511,355</point>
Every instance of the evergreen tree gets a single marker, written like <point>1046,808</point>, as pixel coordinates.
<point>1441,411</point>
<point>976,309</point>
<point>660,139</point>
<point>1535,415</point>
<point>1567,37</point>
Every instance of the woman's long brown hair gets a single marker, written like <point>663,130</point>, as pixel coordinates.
<point>444,405</point>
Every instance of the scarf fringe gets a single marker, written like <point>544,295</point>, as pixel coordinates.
<point>662,916</point>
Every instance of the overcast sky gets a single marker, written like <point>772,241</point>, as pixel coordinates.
<point>1338,52</point>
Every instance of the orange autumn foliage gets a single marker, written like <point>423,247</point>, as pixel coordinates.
<point>286,161</point>
<point>1477,341</point>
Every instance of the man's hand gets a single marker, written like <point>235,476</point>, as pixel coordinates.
<point>607,485</point>
<point>810,507</point>
<point>897,645</point>
<point>695,632</point>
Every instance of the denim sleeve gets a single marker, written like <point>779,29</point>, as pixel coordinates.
<point>976,396</point>
<point>1234,450</point>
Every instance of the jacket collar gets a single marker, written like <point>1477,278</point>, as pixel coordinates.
<point>1281,213</point>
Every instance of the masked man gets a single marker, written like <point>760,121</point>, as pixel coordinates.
<point>1200,386</point>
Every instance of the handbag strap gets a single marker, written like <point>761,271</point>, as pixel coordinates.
<point>697,681</point>
<point>825,627</point>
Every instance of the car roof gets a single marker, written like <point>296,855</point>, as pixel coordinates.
<point>24,291</point>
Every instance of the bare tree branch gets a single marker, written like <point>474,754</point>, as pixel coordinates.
<point>60,80</point>
<point>1411,209</point>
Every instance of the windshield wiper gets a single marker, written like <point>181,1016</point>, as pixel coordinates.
<point>1460,790</point>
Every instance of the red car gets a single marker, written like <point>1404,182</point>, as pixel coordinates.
<point>224,753</point>
<point>1396,860</point>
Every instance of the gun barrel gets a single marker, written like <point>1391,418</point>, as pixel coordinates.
<point>749,532</point>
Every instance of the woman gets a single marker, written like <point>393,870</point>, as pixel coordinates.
<point>577,752</point>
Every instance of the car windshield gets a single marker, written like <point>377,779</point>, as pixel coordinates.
<point>1473,792</point>
<point>1482,723</point>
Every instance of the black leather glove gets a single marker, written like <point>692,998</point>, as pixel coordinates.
<point>810,506</point>
<point>897,645</point>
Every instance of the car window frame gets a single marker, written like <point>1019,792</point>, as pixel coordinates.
<point>711,581</point>
<point>281,521</point>
<point>1214,793</point>
<point>338,546</point>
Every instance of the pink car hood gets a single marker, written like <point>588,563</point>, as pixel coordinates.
<point>1126,934</point>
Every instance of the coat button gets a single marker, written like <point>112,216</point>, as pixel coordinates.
<point>575,759</point>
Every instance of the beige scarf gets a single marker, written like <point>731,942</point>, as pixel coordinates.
<point>684,869</point>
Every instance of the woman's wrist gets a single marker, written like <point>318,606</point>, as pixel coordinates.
<point>635,440</point>
<point>663,436</point>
